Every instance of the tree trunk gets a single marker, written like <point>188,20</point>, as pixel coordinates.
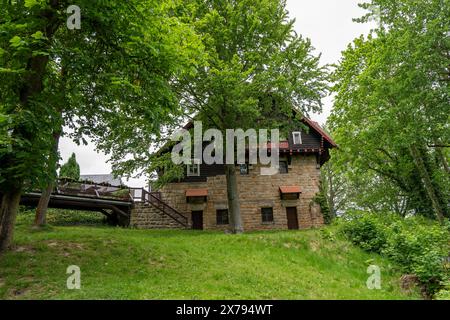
<point>442,159</point>
<point>331,198</point>
<point>8,212</point>
<point>233,200</point>
<point>420,165</point>
<point>41,210</point>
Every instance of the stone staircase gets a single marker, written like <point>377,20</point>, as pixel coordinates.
<point>153,213</point>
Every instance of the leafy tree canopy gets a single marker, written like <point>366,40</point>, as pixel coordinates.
<point>116,69</point>
<point>391,112</point>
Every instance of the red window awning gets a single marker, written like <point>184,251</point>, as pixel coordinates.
<point>290,189</point>
<point>196,192</point>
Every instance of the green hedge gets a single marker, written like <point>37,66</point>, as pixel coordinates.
<point>417,245</point>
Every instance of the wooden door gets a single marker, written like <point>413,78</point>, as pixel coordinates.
<point>197,220</point>
<point>292,218</point>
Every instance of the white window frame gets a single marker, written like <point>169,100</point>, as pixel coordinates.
<point>189,168</point>
<point>297,137</point>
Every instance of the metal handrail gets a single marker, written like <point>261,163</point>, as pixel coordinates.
<point>165,208</point>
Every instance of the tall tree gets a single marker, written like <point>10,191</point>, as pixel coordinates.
<point>255,60</point>
<point>391,109</point>
<point>70,169</point>
<point>117,67</point>
<point>334,187</point>
<point>23,68</point>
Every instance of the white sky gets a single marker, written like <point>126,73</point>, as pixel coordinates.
<point>329,25</point>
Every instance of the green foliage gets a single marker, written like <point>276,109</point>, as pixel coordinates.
<point>60,217</point>
<point>334,186</point>
<point>417,245</point>
<point>71,169</point>
<point>444,293</point>
<point>122,193</point>
<point>391,109</point>
<point>256,69</point>
<point>31,116</point>
<point>110,80</point>
<point>365,231</point>
<point>115,72</point>
<point>321,200</point>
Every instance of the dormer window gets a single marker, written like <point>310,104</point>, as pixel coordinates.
<point>193,169</point>
<point>297,137</point>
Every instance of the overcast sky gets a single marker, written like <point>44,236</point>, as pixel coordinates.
<point>329,25</point>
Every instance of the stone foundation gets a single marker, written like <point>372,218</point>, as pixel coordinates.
<point>145,216</point>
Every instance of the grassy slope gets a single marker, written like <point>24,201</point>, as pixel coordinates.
<point>137,264</point>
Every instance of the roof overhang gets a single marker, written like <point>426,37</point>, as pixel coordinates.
<point>319,130</point>
<point>290,189</point>
<point>196,193</point>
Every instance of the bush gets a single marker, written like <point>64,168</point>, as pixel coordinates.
<point>321,200</point>
<point>444,293</point>
<point>365,231</point>
<point>421,248</point>
<point>417,245</point>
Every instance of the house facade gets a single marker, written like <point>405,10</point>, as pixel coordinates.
<point>284,200</point>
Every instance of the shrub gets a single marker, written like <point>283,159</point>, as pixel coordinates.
<point>444,293</point>
<point>417,245</point>
<point>420,248</point>
<point>365,231</point>
<point>74,217</point>
<point>321,200</point>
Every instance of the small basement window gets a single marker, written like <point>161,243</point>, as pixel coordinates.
<point>283,167</point>
<point>297,137</point>
<point>222,217</point>
<point>193,170</point>
<point>267,214</point>
<point>243,169</point>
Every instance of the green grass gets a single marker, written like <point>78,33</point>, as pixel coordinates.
<point>141,264</point>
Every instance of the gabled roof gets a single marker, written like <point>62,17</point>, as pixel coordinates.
<point>316,126</point>
<point>312,124</point>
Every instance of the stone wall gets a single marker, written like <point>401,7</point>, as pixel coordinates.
<point>255,192</point>
<point>145,216</point>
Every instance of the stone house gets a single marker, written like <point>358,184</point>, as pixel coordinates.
<point>281,201</point>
